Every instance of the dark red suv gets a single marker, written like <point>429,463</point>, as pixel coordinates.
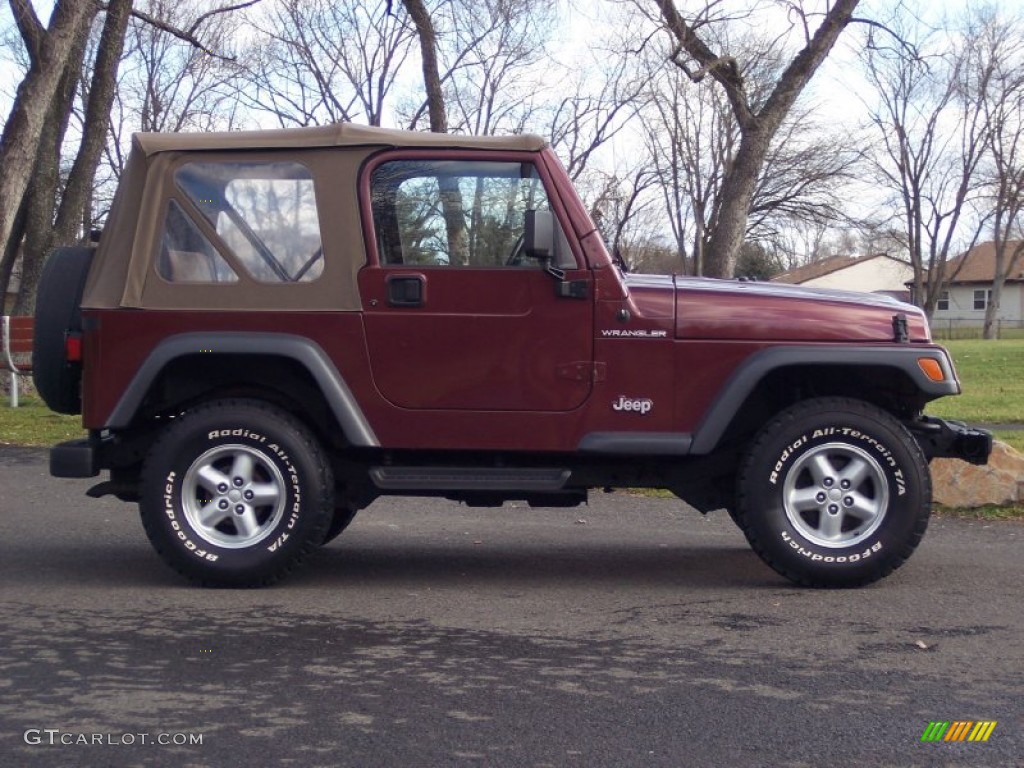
<point>278,327</point>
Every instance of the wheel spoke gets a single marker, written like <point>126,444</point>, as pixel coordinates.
<point>247,523</point>
<point>210,515</point>
<point>830,526</point>
<point>242,466</point>
<point>209,477</point>
<point>820,467</point>
<point>863,508</point>
<point>856,472</point>
<point>804,499</point>
<point>264,494</point>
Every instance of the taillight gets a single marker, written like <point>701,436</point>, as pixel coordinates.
<point>73,347</point>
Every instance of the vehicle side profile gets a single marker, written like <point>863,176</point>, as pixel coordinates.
<point>278,327</point>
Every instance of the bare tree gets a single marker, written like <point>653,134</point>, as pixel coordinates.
<point>932,133</point>
<point>594,109</point>
<point>58,215</point>
<point>622,211</point>
<point>693,138</point>
<point>59,205</point>
<point>1000,39</point>
<point>324,61</point>
<point>435,101</point>
<point>758,122</point>
<point>49,49</point>
<point>690,139</point>
<point>490,51</point>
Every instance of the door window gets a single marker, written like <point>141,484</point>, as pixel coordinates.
<point>445,213</point>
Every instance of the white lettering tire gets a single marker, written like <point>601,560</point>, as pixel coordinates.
<point>834,492</point>
<point>236,493</point>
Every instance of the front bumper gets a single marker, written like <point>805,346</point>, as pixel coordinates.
<point>942,439</point>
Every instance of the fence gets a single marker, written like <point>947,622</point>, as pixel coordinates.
<point>972,329</point>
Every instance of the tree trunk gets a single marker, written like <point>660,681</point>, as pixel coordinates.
<point>41,197</point>
<point>10,254</point>
<point>428,53</point>
<point>20,143</point>
<point>757,129</point>
<point>102,90</point>
<point>738,187</point>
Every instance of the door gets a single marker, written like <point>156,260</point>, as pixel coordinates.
<point>459,316</point>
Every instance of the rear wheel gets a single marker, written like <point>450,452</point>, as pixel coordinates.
<point>834,492</point>
<point>236,493</point>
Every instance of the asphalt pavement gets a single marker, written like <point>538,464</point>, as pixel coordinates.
<point>630,632</point>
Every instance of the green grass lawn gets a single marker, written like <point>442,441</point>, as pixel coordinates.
<point>992,374</point>
<point>32,423</point>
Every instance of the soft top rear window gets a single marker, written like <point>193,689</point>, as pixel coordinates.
<point>264,213</point>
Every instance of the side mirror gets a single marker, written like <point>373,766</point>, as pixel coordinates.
<point>539,235</point>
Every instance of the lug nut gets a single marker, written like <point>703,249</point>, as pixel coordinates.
<point>248,495</point>
<point>845,485</point>
<point>223,504</point>
<point>848,501</point>
<point>833,509</point>
<point>222,488</point>
<point>829,482</point>
<point>238,481</point>
<point>821,498</point>
<point>240,509</point>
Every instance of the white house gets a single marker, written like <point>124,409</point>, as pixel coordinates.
<point>876,273</point>
<point>970,289</point>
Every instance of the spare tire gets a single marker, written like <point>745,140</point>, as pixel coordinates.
<point>59,312</point>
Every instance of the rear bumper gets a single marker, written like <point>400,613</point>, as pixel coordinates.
<point>75,458</point>
<point>941,439</point>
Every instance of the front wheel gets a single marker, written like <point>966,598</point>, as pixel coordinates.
<point>834,492</point>
<point>236,493</point>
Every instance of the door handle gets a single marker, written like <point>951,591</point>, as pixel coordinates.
<point>407,290</point>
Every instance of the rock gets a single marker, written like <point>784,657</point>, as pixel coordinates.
<point>956,483</point>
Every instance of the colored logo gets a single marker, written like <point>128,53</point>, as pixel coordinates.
<point>958,730</point>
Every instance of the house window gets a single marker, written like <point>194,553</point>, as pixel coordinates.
<point>981,298</point>
<point>942,305</point>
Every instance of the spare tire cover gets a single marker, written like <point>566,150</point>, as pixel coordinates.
<point>58,312</point>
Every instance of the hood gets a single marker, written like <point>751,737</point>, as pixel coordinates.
<point>731,309</point>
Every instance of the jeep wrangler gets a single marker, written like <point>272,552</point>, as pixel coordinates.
<point>278,327</point>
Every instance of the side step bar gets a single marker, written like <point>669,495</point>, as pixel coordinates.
<point>469,479</point>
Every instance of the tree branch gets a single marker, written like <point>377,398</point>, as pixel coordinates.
<point>906,45</point>
<point>189,35</point>
<point>31,29</point>
<point>226,9</point>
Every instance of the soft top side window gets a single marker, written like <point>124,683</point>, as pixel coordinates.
<point>265,214</point>
<point>457,213</point>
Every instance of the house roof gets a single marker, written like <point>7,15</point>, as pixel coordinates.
<point>978,265</point>
<point>823,267</point>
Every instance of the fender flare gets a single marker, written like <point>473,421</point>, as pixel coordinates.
<point>747,376</point>
<point>306,353</point>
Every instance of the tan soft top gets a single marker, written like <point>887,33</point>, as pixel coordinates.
<point>122,274</point>
<point>337,135</point>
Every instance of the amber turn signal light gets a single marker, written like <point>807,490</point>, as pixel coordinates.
<point>931,368</point>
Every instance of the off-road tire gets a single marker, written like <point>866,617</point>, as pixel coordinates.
<point>834,492</point>
<point>58,312</point>
<point>236,493</point>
